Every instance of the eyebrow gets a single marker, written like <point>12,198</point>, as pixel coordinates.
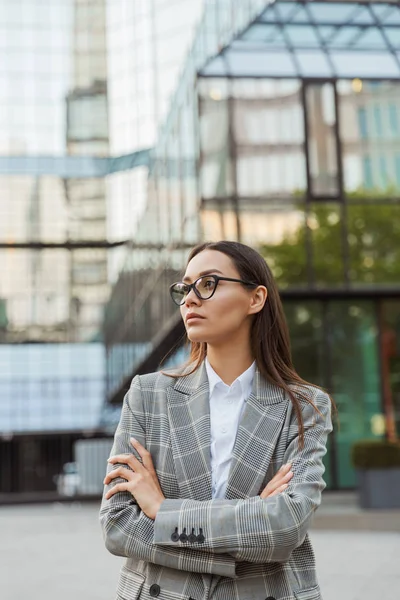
<point>208,272</point>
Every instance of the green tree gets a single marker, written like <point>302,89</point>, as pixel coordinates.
<point>372,244</point>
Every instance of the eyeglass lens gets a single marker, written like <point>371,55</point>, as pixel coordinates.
<point>205,287</point>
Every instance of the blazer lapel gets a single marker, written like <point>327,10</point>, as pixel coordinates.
<point>257,435</point>
<point>189,416</point>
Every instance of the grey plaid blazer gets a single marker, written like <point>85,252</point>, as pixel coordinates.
<point>238,548</point>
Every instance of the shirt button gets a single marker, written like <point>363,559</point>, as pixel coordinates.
<point>224,429</point>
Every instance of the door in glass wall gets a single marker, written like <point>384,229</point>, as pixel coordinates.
<point>354,379</point>
<point>390,357</point>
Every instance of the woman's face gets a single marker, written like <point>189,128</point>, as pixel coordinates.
<point>227,313</point>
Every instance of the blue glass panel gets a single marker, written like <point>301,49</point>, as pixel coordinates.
<point>378,121</point>
<point>269,16</point>
<point>333,12</point>
<point>262,64</point>
<point>263,33</point>
<point>292,12</point>
<point>371,38</point>
<point>302,35</point>
<point>390,16</point>
<point>381,10</point>
<point>397,167</point>
<point>367,168</point>
<point>327,31</point>
<point>393,119</point>
<point>362,122</point>
<point>365,64</point>
<point>313,63</point>
<point>393,35</point>
<point>344,37</point>
<point>363,17</point>
<point>215,68</point>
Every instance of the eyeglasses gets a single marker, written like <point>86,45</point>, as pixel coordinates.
<point>204,288</point>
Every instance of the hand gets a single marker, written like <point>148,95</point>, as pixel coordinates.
<point>278,483</point>
<point>141,481</point>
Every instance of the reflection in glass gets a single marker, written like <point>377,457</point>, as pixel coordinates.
<point>370,139</point>
<point>269,136</point>
<point>304,319</point>
<point>390,356</point>
<point>355,377</point>
<point>373,239</point>
<point>324,221</point>
<point>320,100</point>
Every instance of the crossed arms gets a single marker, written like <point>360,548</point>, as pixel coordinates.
<point>255,529</point>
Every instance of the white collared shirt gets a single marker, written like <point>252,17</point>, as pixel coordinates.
<point>226,407</point>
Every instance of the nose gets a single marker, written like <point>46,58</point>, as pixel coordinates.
<point>191,299</point>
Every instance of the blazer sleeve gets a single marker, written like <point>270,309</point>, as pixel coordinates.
<point>254,529</point>
<point>127,531</point>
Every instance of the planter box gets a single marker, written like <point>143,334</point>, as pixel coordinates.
<point>379,488</point>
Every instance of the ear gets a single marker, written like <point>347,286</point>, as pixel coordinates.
<point>258,299</point>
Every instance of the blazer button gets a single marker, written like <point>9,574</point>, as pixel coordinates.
<point>175,535</point>
<point>270,598</point>
<point>183,537</point>
<point>155,590</point>
<point>192,537</point>
<point>200,537</point>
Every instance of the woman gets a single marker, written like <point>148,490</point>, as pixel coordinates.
<point>216,471</point>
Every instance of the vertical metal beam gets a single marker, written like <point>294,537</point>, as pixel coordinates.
<point>308,194</point>
<point>233,161</point>
<point>342,192</point>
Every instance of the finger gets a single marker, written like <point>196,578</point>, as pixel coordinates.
<point>120,487</point>
<point>119,472</point>
<point>276,482</point>
<point>144,454</point>
<point>280,489</point>
<point>126,459</point>
<point>279,479</point>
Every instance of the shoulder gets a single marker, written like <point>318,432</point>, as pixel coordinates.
<point>315,403</point>
<point>153,382</point>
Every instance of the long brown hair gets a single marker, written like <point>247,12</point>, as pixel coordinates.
<point>269,334</point>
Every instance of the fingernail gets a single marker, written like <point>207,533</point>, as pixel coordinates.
<point>285,486</point>
<point>133,439</point>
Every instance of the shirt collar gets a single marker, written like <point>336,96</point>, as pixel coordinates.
<point>245,379</point>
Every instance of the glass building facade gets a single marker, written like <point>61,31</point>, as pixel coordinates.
<point>130,131</point>
<point>284,134</point>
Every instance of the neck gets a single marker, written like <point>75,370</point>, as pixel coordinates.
<point>229,363</point>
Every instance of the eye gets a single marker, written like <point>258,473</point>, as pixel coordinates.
<point>207,283</point>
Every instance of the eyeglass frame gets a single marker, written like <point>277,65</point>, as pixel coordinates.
<point>217,279</point>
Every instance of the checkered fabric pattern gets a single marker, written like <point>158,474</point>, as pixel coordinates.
<point>238,547</point>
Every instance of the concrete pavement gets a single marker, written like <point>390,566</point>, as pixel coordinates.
<point>56,551</point>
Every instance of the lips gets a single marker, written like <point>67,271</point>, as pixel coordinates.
<point>191,316</point>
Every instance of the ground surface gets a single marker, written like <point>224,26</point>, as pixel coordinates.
<point>55,551</point>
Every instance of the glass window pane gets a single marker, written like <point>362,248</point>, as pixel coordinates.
<point>322,148</point>
<point>264,33</point>
<point>215,68</point>
<point>261,64</point>
<point>369,130</point>
<point>324,221</point>
<point>363,17</point>
<point>284,245</point>
<point>387,15</point>
<point>362,64</point>
<point>344,36</point>
<point>302,35</point>
<point>370,38</point>
<point>332,12</point>
<point>393,35</point>
<point>373,234</point>
<point>313,64</point>
<point>292,12</point>
<point>355,377</point>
